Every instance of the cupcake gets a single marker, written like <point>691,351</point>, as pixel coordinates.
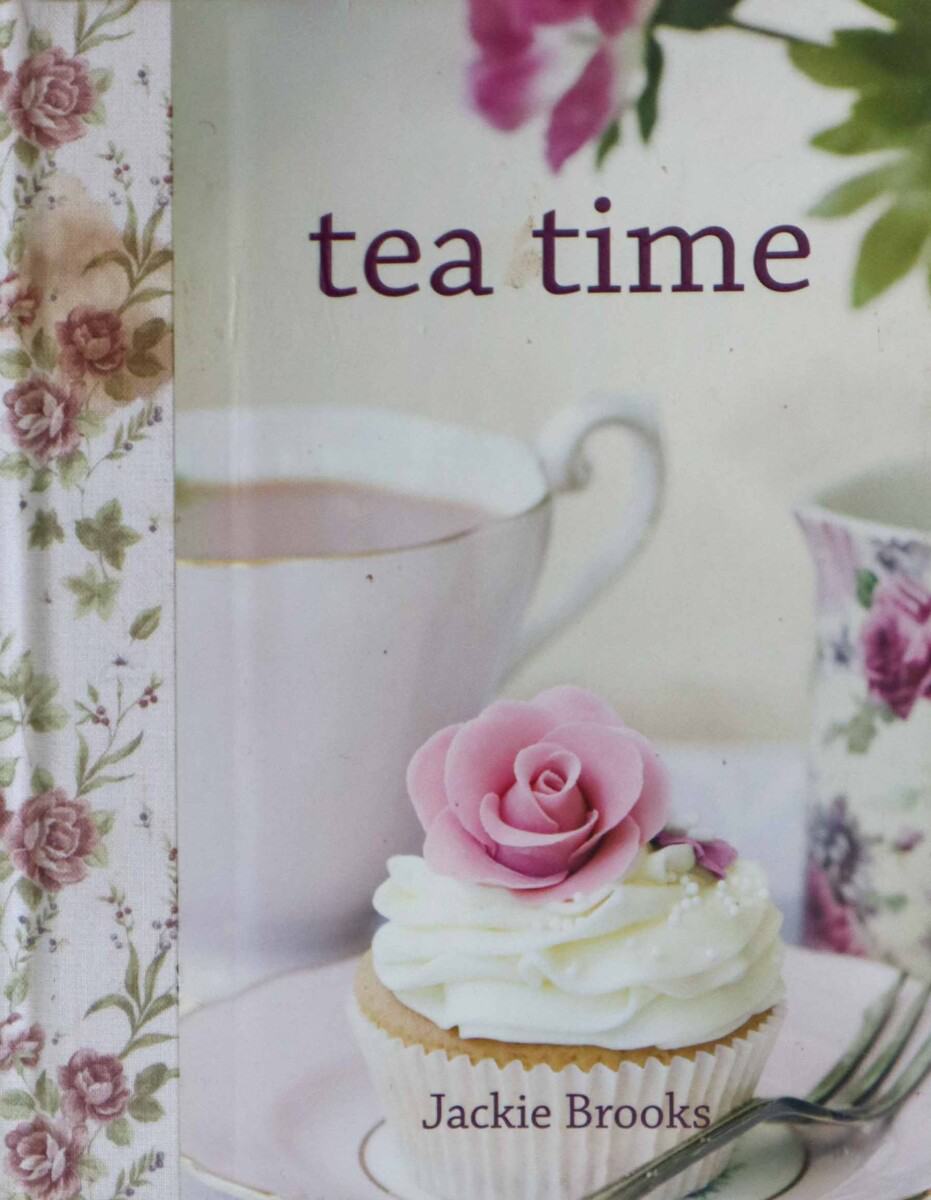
<point>564,985</point>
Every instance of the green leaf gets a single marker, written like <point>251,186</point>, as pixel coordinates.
<point>7,771</point>
<point>149,1080</point>
<point>889,250</point>
<point>837,66</point>
<point>6,867</point>
<point>41,780</point>
<point>102,80</point>
<point>143,364</point>
<point>47,718</point>
<point>151,977</point>
<point>148,234</point>
<point>41,480</point>
<point>888,8</point>
<point>43,351</point>
<point>867,582</point>
<point>80,769</point>
<point>694,14</point>
<point>5,127</point>
<point>131,231</point>
<point>30,893</point>
<point>149,333</point>
<point>158,1006</point>
<point>15,364</point>
<point>47,1095</point>
<point>145,1109</point>
<point>93,592</point>
<point>91,1169</point>
<point>73,469</point>
<point>145,624</point>
<point>104,820</point>
<point>147,1041</point>
<point>8,726</point>
<point>119,388</point>
<point>98,857</point>
<point>114,1000</point>
<point>858,137</point>
<point>26,152</point>
<point>38,41</point>
<point>124,751</point>
<point>131,980</point>
<point>111,256</point>
<point>146,295</point>
<point>16,1106</point>
<point>45,530</point>
<point>855,193</point>
<point>6,33</point>
<point>896,902</point>
<point>119,1132</point>
<point>16,988</point>
<point>897,52</point>
<point>97,115</point>
<point>648,103</point>
<point>161,258</point>
<point>14,466</point>
<point>91,424</point>
<point>106,534</point>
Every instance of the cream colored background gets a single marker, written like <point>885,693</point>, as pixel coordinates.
<point>289,109</point>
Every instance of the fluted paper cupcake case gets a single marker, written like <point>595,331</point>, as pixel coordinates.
<point>555,1163</point>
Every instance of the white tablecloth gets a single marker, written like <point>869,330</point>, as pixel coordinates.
<point>752,795</point>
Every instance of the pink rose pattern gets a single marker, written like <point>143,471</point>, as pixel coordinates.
<point>507,76</point>
<point>897,644</point>
<point>93,1087</point>
<point>548,798</point>
<point>67,368</point>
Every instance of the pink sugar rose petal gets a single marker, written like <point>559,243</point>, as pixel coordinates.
<point>546,779</point>
<point>614,16</point>
<point>612,768</point>
<point>425,776</point>
<point>539,855</point>
<point>569,705</point>
<point>481,756</point>
<point>499,27</point>
<point>651,810</point>
<point>613,856</point>
<point>449,850</point>
<point>504,90</point>
<point>585,109</point>
<point>553,12</point>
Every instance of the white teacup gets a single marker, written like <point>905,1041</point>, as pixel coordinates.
<point>307,680</point>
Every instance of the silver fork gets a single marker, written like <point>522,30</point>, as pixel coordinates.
<point>858,1095</point>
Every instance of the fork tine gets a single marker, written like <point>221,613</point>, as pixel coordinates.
<point>875,1020</point>
<point>904,1087</point>
<point>873,1078</point>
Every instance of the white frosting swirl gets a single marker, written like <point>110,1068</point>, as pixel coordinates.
<point>668,957</point>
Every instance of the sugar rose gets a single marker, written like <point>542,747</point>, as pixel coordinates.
<point>549,798</point>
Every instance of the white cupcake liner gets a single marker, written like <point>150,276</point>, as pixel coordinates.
<point>555,1163</point>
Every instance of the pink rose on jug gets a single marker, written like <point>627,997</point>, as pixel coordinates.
<point>897,644</point>
<point>551,798</point>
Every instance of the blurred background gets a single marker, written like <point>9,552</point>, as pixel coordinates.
<point>766,396</point>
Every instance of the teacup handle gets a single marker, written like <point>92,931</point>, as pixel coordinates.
<point>561,447</point>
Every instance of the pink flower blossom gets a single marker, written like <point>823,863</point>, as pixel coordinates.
<point>93,1087</point>
<point>92,341</point>
<point>897,644</point>
<point>507,77</point>
<point>43,1157</point>
<point>49,838</point>
<point>49,97</point>
<point>829,923</point>
<point>20,1043</point>
<point>548,798</point>
<point>19,302</point>
<point>42,417</point>
<point>715,855</point>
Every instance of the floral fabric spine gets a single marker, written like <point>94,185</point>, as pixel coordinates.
<point>88,863</point>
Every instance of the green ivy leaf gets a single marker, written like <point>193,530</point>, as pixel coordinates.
<point>855,136</point>
<point>145,624</point>
<point>41,780</point>
<point>93,592</point>
<point>30,893</point>
<point>838,66</point>
<point>648,103</point>
<point>15,364</point>
<point>16,1105</point>
<point>45,530</point>
<point>106,534</point>
<point>867,582</point>
<point>119,1132</point>
<point>7,771</point>
<point>889,250</point>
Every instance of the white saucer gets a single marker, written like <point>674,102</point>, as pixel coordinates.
<point>276,1103</point>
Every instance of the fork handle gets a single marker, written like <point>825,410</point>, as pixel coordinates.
<point>682,1156</point>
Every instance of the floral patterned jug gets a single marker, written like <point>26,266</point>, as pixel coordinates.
<point>868,883</point>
